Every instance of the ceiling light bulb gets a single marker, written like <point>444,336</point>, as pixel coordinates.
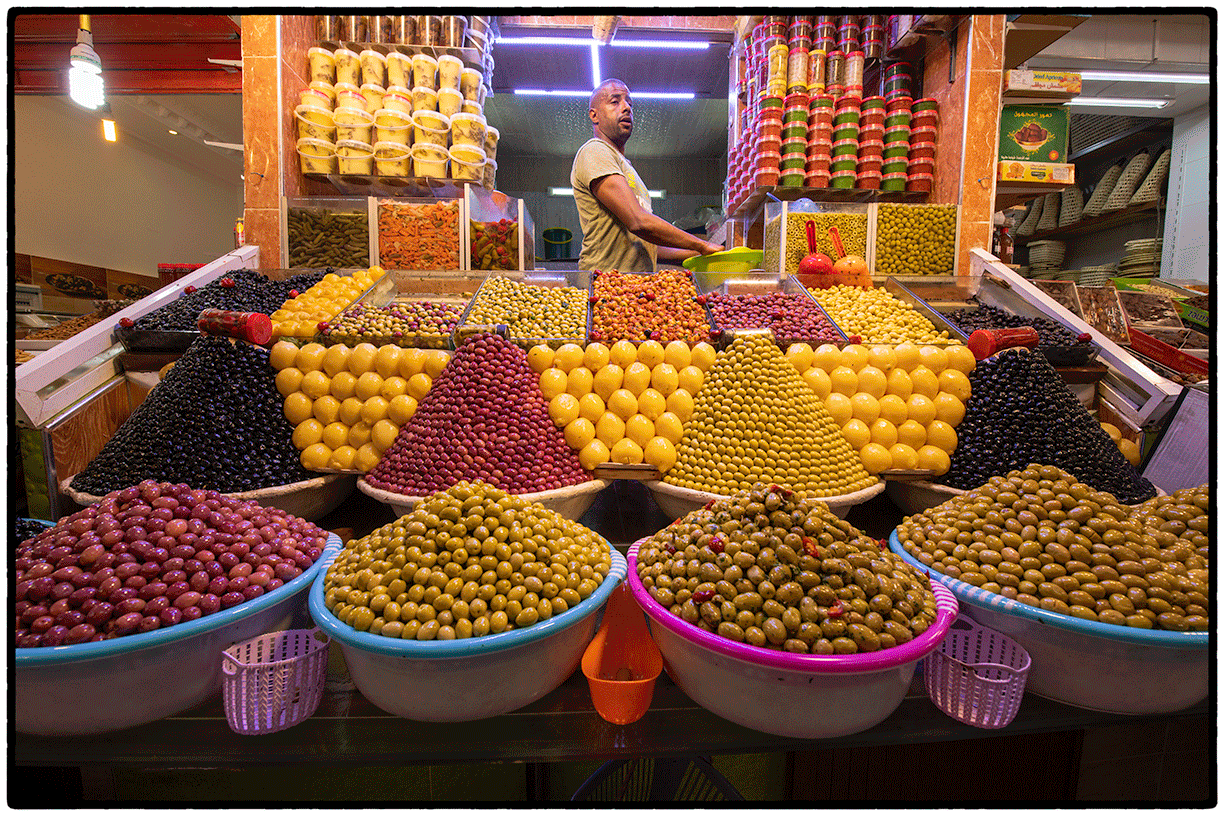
<point>85,86</point>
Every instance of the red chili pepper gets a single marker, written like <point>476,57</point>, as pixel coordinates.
<point>228,283</point>
<point>716,544</point>
<point>836,610</point>
<point>703,595</point>
<point>593,298</point>
<point>708,504</point>
<point>126,322</point>
<point>188,290</point>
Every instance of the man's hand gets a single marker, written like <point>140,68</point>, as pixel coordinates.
<point>613,192</point>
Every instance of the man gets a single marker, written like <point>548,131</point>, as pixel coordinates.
<point>619,231</point>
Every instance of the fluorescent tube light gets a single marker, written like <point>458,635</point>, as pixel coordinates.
<point>1117,102</point>
<point>567,191</point>
<point>634,94</point>
<point>683,45</point>
<point>1144,76</point>
<point>596,74</point>
<point>108,130</point>
<point>172,132</point>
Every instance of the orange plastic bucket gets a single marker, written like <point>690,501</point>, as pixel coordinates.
<point>622,662</point>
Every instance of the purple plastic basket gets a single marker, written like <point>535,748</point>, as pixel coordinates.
<point>977,675</point>
<point>275,681</point>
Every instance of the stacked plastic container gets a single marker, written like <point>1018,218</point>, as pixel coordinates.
<point>845,142</point>
<point>896,143</point>
<point>817,171</point>
<point>794,139</point>
<point>871,144</point>
<point>873,36</point>
<point>924,126</point>
<point>769,141</point>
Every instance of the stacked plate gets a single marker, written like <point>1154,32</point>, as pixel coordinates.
<point>1142,258</point>
<point>1046,257</point>
<point>1072,275</point>
<point>1096,275</point>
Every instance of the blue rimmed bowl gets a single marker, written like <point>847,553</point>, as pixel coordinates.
<point>1088,664</point>
<point>95,688</point>
<point>472,678</point>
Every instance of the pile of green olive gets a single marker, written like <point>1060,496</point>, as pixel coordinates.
<point>916,239</point>
<point>531,311</point>
<point>774,568</point>
<point>469,561</point>
<point>1040,537</point>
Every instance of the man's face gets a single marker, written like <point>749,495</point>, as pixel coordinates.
<point>612,113</point>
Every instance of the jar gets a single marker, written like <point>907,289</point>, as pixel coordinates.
<point>352,28</point>
<point>797,70</point>
<point>404,29</point>
<point>854,65</point>
<point>399,69</point>
<point>835,69</point>
<point>428,29</point>
<point>322,65</point>
<point>800,27</point>
<point>327,27</point>
<point>849,33</point>
<point>816,72</point>
<point>373,68</point>
<point>424,72</point>
<point>779,55</point>
<point>348,66</point>
<point>873,41</point>
<point>453,29</point>
<point>355,157</point>
<point>382,29</point>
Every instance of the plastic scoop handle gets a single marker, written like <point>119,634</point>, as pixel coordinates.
<point>835,237</point>
<point>811,235</point>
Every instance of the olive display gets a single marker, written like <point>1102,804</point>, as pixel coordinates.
<point>774,568</point>
<point>755,420</point>
<point>664,306</point>
<point>876,316</point>
<point>1020,411</point>
<point>242,290</point>
<point>21,356</point>
<point>319,238</point>
<point>789,315</point>
<point>150,556</point>
<point>915,239</point>
<point>1043,538</point>
<point>483,419</point>
<point>402,323</point>
<point>530,311</point>
<point>71,327</point>
<point>306,313</point>
<point>851,227</point>
<point>469,561</point>
<point>24,528</point>
<point>983,316</point>
<point>214,422</point>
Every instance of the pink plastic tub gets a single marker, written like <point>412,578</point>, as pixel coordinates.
<point>806,696</point>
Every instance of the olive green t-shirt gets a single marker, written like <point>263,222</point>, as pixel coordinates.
<point>606,244</point>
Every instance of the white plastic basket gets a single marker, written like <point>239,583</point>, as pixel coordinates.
<point>274,681</point>
<point>977,675</point>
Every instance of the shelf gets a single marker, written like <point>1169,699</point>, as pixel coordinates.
<point>827,195</point>
<point>913,42</point>
<point>1030,34</point>
<point>1010,194</point>
<point>1098,223</point>
<point>393,186</point>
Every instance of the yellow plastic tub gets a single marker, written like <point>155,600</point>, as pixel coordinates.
<point>424,99</point>
<point>355,158</point>
<point>392,158</point>
<point>373,96</point>
<point>314,98</point>
<point>353,124</point>
<point>429,161</point>
<point>398,98</point>
<point>492,134</point>
<point>467,163</point>
<point>490,174</point>
<point>424,72</point>
<point>373,68</point>
<point>470,81</point>
<point>393,126</point>
<point>315,123</point>
<point>449,101</point>
<point>348,66</point>
<point>468,129</point>
<point>322,65</point>
<point>399,69</point>
<point>449,70</point>
<point>430,127</point>
<point>316,155</point>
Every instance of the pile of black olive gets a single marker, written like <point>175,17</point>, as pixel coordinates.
<point>1050,334</point>
<point>24,528</point>
<point>242,290</point>
<point>215,422</point>
<point>1020,411</point>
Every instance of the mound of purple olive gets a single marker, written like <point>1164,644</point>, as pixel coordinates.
<point>150,556</point>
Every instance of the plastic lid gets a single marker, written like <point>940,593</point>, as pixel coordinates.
<point>372,52</point>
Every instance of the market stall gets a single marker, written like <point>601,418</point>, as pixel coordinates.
<point>808,473</point>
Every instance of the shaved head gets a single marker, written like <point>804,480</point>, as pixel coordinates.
<point>599,93</point>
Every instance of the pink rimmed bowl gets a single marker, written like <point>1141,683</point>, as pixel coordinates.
<point>805,696</point>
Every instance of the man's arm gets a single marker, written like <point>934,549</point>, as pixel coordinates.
<point>613,192</point>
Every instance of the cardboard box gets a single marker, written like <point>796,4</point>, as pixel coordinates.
<point>1036,133</point>
<point>1056,84</point>
<point>1037,172</point>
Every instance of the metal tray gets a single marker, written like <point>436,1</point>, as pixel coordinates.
<point>530,279</point>
<point>146,340</point>
<point>902,292</point>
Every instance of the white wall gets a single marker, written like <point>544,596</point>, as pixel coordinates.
<point>1187,249</point>
<point>123,205</point>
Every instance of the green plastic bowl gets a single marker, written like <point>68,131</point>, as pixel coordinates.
<point>721,266</point>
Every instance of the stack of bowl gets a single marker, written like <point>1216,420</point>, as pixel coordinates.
<point>846,141</point>
<point>767,163</point>
<point>924,126</point>
<point>820,141</point>
<point>897,116</point>
<point>1046,257</point>
<point>897,81</point>
<point>871,144</point>
<point>794,139</point>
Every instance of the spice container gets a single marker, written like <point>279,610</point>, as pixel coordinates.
<point>348,67</point>
<point>854,65</point>
<point>429,160</point>
<point>373,68</point>
<point>428,29</point>
<point>849,34</point>
<point>779,56</point>
<point>322,64</point>
<point>835,70</point>
<point>452,30</point>
<point>873,37</point>
<point>392,159</point>
<point>382,29</point>
<point>404,29</point>
<point>352,28</point>
<point>327,27</point>
<point>797,70</point>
